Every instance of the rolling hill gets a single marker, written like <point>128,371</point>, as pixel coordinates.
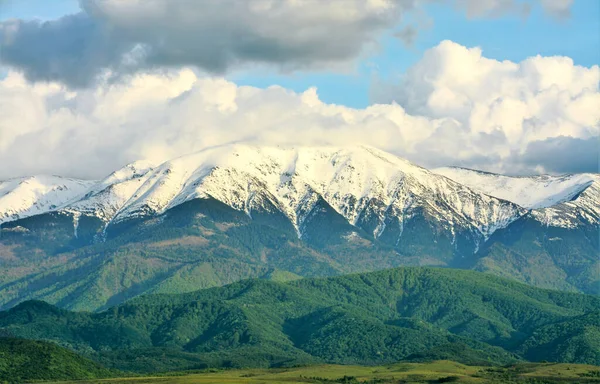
<point>371,318</point>
<point>30,360</point>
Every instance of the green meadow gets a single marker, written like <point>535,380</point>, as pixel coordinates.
<point>434,372</point>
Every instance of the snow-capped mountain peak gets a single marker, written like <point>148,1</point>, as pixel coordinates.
<point>28,196</point>
<point>357,182</point>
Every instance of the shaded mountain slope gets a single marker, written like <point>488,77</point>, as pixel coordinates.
<point>29,360</point>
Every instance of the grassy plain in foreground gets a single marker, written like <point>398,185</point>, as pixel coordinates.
<point>443,371</point>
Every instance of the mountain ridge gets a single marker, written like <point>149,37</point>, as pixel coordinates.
<point>117,197</point>
<point>531,192</point>
<point>188,223</point>
<point>355,181</point>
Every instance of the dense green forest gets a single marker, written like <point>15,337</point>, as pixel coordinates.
<point>413,314</point>
<point>28,360</point>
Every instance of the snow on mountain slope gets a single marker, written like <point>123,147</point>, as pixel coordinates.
<point>28,196</point>
<point>107,197</point>
<point>293,180</point>
<point>530,192</point>
<point>563,201</point>
<point>584,208</point>
<point>357,182</point>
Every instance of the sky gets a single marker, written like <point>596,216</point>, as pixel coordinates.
<point>505,86</point>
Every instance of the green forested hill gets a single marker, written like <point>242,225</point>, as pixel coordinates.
<point>28,360</point>
<point>370,318</point>
<point>562,341</point>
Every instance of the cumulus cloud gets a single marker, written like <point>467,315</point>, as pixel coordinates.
<point>454,107</point>
<point>88,133</point>
<point>497,107</point>
<point>120,37</point>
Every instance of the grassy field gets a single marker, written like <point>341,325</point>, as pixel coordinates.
<point>435,372</point>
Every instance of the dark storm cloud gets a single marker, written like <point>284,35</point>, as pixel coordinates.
<point>115,37</point>
<point>211,35</point>
<point>563,154</point>
<point>407,35</point>
<point>71,49</point>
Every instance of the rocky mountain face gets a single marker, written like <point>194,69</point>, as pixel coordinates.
<point>239,211</point>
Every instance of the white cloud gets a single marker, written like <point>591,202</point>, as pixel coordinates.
<point>515,103</point>
<point>453,107</point>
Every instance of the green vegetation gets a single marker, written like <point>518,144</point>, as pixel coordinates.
<point>199,244</point>
<point>432,372</point>
<point>414,314</point>
<point>562,341</point>
<point>27,360</point>
<point>204,243</point>
<point>551,257</point>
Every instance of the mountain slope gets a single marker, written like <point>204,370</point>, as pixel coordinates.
<point>235,212</point>
<point>582,209</point>
<point>360,183</point>
<point>556,244</point>
<point>29,360</point>
<point>579,337</point>
<point>366,318</point>
<point>562,201</point>
<point>549,256</point>
<point>528,191</point>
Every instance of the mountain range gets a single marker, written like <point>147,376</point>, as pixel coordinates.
<point>234,212</point>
